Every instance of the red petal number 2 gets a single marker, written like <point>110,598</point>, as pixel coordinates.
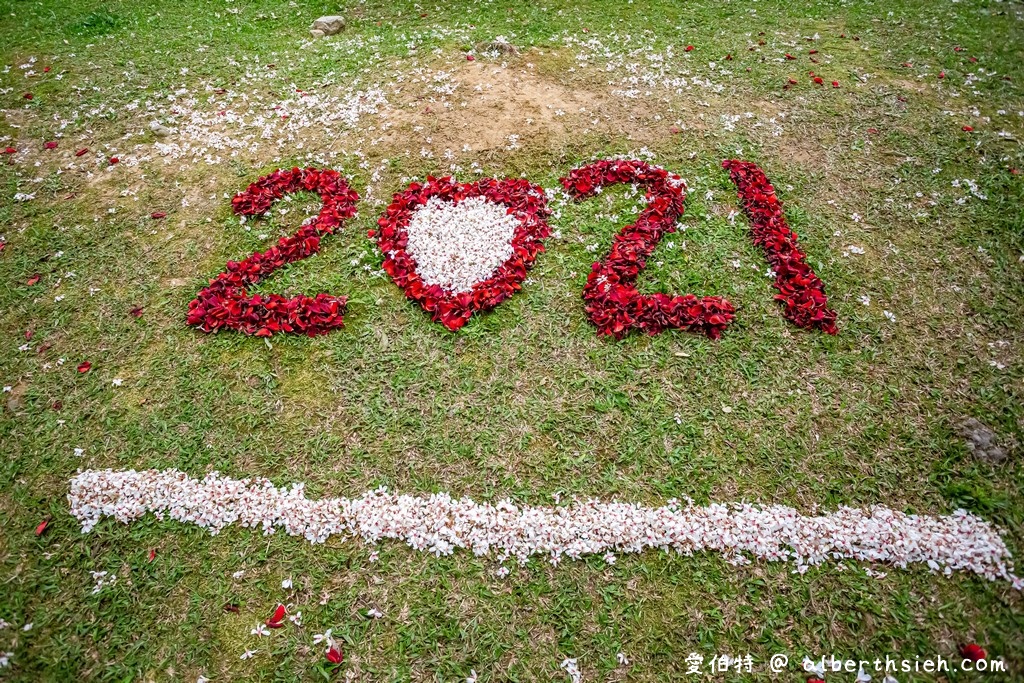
<point>225,303</point>
<point>613,302</point>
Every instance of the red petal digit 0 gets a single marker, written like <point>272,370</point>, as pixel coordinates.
<point>225,302</point>
<point>613,302</point>
<point>800,290</point>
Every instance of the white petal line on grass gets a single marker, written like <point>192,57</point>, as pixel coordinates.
<point>440,524</point>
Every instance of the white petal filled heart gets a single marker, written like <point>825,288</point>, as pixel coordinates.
<point>457,245</point>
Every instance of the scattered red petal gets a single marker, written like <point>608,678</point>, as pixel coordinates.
<point>1014,171</point>
<point>967,129</point>
<point>33,280</point>
<point>152,554</point>
<point>371,233</point>
<point>57,406</point>
<point>789,56</point>
<point>84,366</point>
<point>46,69</point>
<point>231,607</point>
<point>835,84</point>
<point>29,333</point>
<point>873,131</point>
<point>689,48</point>
<point>157,214</point>
<point>675,130</point>
<point>470,58</point>
<point>9,150</point>
<point>942,74</point>
<point>136,312</point>
<point>812,52</point>
<point>27,96</point>
<point>973,60</point>
<point>792,81</point>
<point>728,58</point>
<point>82,152</point>
<point>114,160</point>
<point>51,145</point>
<point>43,526</point>
<point>818,80</point>
<point>334,654</point>
<point>275,620</point>
<point>973,652</point>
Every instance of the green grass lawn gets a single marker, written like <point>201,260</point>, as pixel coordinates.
<point>525,402</point>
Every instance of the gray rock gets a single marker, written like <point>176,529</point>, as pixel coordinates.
<point>982,442</point>
<point>160,129</point>
<point>326,26</point>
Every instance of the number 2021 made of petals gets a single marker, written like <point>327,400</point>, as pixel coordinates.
<point>611,299</point>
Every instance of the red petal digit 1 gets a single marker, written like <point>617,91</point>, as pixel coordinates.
<point>801,292</point>
<point>225,302</point>
<point>613,302</point>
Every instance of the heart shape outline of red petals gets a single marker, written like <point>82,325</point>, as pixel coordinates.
<point>525,201</point>
<point>801,291</point>
<point>225,304</point>
<point>612,301</point>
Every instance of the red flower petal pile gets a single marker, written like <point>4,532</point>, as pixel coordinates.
<point>800,290</point>
<point>525,201</point>
<point>613,302</point>
<point>225,303</point>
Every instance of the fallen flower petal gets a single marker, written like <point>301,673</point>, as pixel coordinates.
<point>973,652</point>
<point>33,280</point>
<point>82,152</point>
<point>334,654</point>
<point>43,526</point>
<point>279,614</point>
<point>84,366</point>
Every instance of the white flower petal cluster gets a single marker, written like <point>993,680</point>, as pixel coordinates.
<point>440,524</point>
<point>458,245</point>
